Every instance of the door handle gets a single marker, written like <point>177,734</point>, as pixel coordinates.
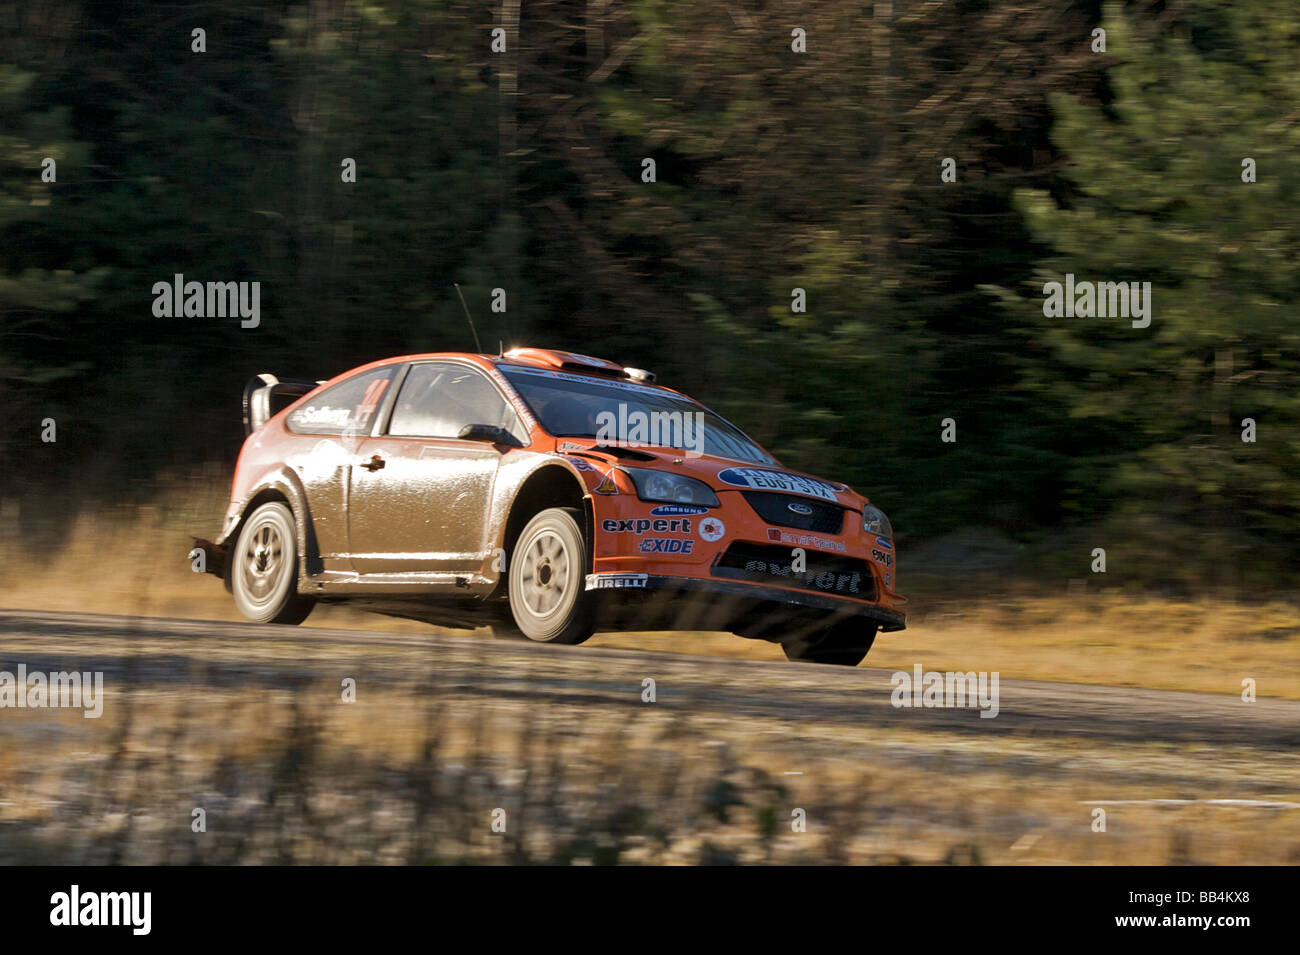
<point>374,464</point>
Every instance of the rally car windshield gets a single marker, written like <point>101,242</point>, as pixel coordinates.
<point>629,415</point>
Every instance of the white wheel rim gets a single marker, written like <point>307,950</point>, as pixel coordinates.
<point>263,562</point>
<point>545,574</point>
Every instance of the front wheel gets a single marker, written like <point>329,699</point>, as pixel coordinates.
<point>264,575</point>
<point>548,596</point>
<point>844,644</point>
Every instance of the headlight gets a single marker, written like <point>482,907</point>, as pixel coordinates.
<point>875,522</point>
<point>674,488</point>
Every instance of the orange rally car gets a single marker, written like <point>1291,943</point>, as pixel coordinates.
<point>548,493</point>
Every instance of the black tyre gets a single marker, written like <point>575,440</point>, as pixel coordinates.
<point>264,569</point>
<point>844,644</point>
<point>547,573</point>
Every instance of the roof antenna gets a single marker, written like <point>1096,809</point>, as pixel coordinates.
<point>467,316</point>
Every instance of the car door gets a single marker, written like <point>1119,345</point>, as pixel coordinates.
<point>331,427</point>
<point>420,496</point>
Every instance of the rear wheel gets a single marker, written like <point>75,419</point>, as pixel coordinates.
<point>844,643</point>
<point>548,597</point>
<point>264,574</point>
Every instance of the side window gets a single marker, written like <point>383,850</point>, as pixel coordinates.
<point>438,399</point>
<point>349,407</point>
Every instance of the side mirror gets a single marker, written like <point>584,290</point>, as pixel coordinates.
<point>489,433</point>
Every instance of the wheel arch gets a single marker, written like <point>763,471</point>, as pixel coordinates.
<point>284,488</point>
<point>551,485</point>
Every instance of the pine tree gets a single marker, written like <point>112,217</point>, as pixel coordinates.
<point>1159,196</point>
<point>35,300</point>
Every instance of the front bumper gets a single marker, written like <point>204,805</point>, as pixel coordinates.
<point>756,595</point>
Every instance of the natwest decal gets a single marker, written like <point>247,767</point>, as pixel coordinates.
<point>804,540</point>
<point>765,479</point>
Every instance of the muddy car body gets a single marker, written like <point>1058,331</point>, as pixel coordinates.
<point>471,489</point>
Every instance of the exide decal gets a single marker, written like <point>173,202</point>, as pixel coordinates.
<point>666,545</point>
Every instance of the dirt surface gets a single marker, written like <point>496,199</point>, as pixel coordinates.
<point>166,650</point>
<point>1183,776</point>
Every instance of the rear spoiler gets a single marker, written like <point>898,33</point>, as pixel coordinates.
<point>259,395</point>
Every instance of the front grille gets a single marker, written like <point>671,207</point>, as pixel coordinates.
<point>827,573</point>
<point>774,508</point>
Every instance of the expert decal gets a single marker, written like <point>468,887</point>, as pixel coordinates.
<point>640,525</point>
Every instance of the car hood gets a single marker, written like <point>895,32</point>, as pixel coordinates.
<point>721,474</point>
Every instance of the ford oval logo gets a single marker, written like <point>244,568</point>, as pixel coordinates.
<point>798,507</point>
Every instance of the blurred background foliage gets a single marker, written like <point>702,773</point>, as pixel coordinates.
<point>775,170</point>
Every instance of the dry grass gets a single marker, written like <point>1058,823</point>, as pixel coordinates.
<point>414,775</point>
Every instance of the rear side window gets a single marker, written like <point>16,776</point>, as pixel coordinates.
<point>347,408</point>
<point>439,398</point>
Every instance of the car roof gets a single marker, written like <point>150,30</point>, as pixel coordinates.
<point>573,363</point>
<point>567,363</point>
